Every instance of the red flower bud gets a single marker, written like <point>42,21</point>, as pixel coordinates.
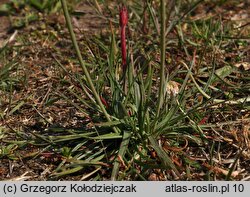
<point>123,23</point>
<point>123,16</point>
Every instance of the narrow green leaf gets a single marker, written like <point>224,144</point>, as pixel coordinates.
<point>17,107</point>
<point>163,155</point>
<point>221,73</point>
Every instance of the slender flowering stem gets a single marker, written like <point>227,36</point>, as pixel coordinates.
<point>123,24</point>
<point>82,64</point>
<point>126,134</point>
<point>163,56</point>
